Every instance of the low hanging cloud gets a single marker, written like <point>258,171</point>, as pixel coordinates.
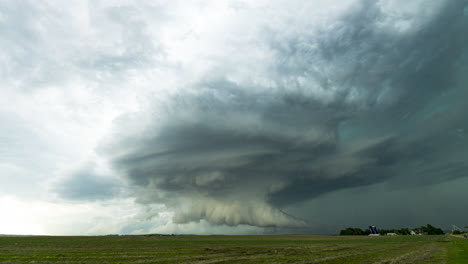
<point>86,184</point>
<point>376,96</point>
<point>234,213</point>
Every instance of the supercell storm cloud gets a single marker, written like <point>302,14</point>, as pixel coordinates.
<point>374,96</point>
<point>235,116</point>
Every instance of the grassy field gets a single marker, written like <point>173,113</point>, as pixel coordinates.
<point>234,249</point>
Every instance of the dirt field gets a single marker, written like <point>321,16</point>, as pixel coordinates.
<point>234,249</point>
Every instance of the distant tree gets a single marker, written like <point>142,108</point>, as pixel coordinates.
<point>353,231</point>
<point>457,232</point>
<point>430,230</point>
<point>403,231</point>
<point>350,231</point>
<point>427,229</point>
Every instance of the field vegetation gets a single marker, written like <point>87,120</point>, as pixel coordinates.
<point>234,249</point>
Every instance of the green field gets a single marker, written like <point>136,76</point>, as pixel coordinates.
<point>234,249</point>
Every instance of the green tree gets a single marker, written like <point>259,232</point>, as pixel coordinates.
<point>430,230</point>
<point>353,231</point>
<point>403,231</point>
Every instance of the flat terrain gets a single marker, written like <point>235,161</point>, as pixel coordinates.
<point>234,249</point>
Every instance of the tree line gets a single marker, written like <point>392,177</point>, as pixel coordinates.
<point>426,230</point>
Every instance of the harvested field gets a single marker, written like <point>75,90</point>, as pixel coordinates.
<point>233,249</point>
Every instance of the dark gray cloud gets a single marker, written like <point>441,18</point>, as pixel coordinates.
<point>225,148</point>
<point>374,97</point>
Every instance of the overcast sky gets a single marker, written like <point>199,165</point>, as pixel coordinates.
<point>232,117</point>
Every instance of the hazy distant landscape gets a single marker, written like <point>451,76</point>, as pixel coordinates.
<point>234,249</point>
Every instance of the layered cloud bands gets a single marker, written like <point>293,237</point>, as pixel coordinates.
<point>376,95</point>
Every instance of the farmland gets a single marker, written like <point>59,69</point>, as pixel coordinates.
<point>234,249</point>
